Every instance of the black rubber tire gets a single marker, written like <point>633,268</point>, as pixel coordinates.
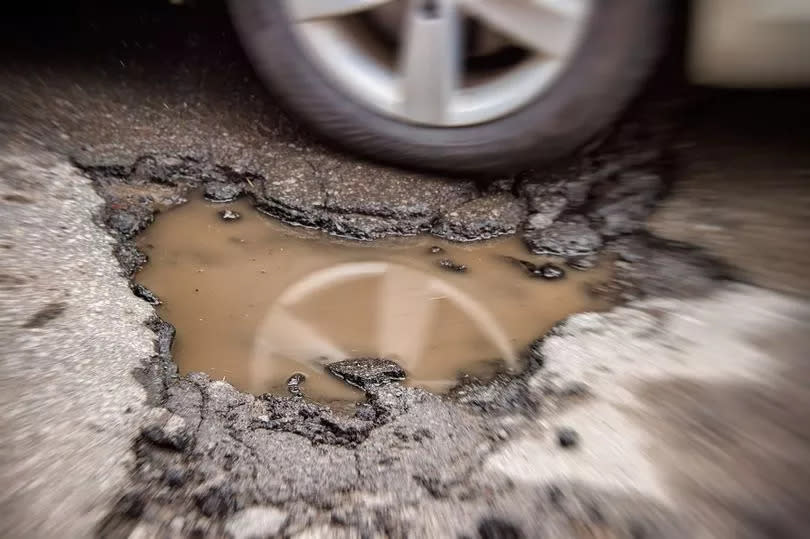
<point>610,66</point>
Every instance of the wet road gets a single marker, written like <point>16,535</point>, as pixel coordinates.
<point>692,412</point>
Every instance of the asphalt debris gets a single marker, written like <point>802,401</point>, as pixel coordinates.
<point>167,430</point>
<point>567,437</point>
<point>145,294</point>
<point>229,215</point>
<point>216,191</point>
<point>366,372</point>
<point>484,217</point>
<point>450,265</point>
<point>551,272</point>
<point>294,384</point>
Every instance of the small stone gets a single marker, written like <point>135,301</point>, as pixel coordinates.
<point>435,249</point>
<point>145,294</point>
<point>174,477</point>
<point>229,215</point>
<point>551,272</point>
<point>222,191</point>
<point>294,384</point>
<point>449,265</point>
<point>366,372</point>
<point>167,430</point>
<point>567,437</point>
<point>484,217</point>
<point>256,522</point>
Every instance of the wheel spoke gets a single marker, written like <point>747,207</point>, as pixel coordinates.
<point>406,314</point>
<point>287,336</point>
<point>430,59</point>
<point>305,10</point>
<point>547,26</point>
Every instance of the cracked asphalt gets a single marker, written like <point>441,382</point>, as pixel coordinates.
<point>679,413</point>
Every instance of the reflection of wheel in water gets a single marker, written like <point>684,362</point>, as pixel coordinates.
<point>406,314</point>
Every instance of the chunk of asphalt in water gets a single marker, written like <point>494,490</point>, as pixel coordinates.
<point>145,294</point>
<point>294,384</point>
<point>551,272</point>
<point>221,191</point>
<point>366,372</point>
<point>545,271</point>
<point>229,215</point>
<point>567,437</point>
<point>449,265</point>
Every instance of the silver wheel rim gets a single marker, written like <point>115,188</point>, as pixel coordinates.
<point>426,80</point>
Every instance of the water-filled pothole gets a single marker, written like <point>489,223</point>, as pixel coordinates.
<point>255,301</point>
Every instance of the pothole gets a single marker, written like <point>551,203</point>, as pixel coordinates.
<point>256,302</point>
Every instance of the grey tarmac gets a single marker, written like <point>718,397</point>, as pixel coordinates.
<point>686,399</point>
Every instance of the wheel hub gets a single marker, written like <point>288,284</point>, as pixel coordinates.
<point>413,59</point>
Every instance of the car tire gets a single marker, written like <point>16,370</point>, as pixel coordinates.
<point>614,57</point>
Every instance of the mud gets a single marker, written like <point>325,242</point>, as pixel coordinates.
<point>222,285</point>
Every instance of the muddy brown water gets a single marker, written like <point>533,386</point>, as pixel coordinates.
<point>255,301</point>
